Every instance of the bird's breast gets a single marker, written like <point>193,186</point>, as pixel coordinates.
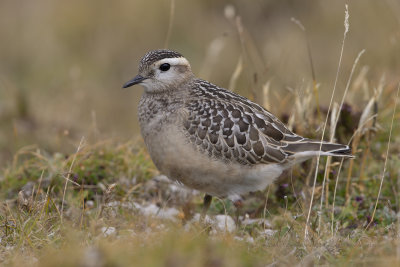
<point>155,111</point>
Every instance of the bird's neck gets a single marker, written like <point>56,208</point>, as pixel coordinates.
<point>156,106</point>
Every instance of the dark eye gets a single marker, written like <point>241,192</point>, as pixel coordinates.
<point>165,67</point>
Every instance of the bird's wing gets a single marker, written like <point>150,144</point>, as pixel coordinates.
<point>231,127</point>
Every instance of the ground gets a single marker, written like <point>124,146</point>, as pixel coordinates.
<point>106,204</point>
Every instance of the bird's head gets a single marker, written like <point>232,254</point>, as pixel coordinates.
<point>161,70</point>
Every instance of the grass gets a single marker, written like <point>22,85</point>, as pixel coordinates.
<point>99,201</point>
<point>107,219</point>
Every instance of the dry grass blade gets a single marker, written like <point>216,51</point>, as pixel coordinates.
<point>69,174</point>
<point>315,85</point>
<point>334,197</point>
<point>346,25</point>
<point>359,82</point>
<point>325,181</point>
<point>338,174</point>
<point>171,20</point>
<point>366,120</point>
<point>386,158</point>
<point>334,120</point>
<point>301,109</point>
<point>345,92</point>
<point>252,58</point>
<point>265,91</point>
<point>211,58</point>
<point>236,74</point>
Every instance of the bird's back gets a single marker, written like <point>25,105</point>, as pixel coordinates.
<point>230,127</point>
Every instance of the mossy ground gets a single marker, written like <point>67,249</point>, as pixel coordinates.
<point>101,218</point>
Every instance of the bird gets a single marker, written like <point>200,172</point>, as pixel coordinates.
<point>211,139</point>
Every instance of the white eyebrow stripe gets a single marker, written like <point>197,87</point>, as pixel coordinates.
<point>174,61</point>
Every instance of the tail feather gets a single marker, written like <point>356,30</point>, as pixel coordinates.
<point>307,147</point>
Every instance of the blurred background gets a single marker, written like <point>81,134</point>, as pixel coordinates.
<point>62,63</point>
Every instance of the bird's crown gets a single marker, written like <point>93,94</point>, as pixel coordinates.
<point>152,57</point>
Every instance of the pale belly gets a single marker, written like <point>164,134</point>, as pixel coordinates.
<point>175,157</point>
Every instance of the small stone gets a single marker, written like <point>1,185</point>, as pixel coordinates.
<point>225,223</point>
<point>269,232</point>
<point>89,204</point>
<point>108,231</point>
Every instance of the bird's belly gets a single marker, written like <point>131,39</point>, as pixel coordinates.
<point>177,158</point>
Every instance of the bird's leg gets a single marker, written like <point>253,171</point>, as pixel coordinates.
<point>239,205</point>
<point>206,205</point>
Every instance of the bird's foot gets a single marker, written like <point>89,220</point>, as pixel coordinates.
<point>239,207</point>
<point>206,205</point>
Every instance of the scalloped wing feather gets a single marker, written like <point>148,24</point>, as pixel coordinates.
<point>232,128</point>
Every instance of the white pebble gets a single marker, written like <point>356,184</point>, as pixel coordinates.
<point>108,231</point>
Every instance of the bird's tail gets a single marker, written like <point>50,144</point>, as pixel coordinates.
<point>308,148</point>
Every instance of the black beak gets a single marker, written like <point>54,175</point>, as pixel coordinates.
<point>138,79</point>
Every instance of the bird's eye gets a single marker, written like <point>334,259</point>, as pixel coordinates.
<point>165,67</point>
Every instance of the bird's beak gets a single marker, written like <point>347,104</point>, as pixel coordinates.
<point>138,79</point>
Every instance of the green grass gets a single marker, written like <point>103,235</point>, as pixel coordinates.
<point>108,178</point>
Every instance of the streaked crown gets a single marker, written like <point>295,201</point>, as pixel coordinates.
<point>156,55</point>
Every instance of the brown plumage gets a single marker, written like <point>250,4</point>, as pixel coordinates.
<point>211,139</point>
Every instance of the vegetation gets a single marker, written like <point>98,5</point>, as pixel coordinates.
<point>77,190</point>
